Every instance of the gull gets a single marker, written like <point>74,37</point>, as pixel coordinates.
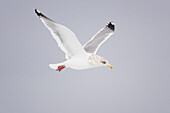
<point>78,57</point>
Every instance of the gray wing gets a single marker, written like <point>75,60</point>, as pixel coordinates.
<point>99,38</point>
<point>65,38</point>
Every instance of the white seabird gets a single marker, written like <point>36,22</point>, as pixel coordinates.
<point>78,57</point>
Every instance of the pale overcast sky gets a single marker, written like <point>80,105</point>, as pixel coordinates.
<point>139,50</point>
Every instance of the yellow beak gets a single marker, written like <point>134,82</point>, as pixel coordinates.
<point>110,66</point>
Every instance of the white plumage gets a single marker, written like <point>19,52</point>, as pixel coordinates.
<point>78,56</point>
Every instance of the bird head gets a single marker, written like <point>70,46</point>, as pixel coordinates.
<point>106,63</point>
<point>97,61</point>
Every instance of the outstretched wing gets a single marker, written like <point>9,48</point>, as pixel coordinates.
<point>99,38</point>
<point>65,38</point>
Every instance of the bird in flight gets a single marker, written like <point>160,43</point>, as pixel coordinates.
<point>78,57</point>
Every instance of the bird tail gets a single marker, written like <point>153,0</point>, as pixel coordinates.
<point>55,66</point>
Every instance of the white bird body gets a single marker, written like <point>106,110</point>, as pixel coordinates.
<point>80,63</point>
<point>74,63</point>
<point>78,57</point>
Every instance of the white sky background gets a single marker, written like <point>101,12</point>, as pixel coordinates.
<point>139,51</point>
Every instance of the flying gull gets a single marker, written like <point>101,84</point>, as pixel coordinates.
<point>78,57</point>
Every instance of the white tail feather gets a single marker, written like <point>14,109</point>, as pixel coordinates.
<point>55,66</point>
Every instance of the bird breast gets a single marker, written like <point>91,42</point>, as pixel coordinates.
<point>94,60</point>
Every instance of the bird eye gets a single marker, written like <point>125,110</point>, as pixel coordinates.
<point>104,62</point>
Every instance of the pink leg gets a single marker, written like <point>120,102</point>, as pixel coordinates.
<point>60,68</point>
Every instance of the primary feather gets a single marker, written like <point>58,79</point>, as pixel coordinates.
<point>65,38</point>
<point>99,38</point>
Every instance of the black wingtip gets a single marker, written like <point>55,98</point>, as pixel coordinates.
<point>111,26</point>
<point>39,13</point>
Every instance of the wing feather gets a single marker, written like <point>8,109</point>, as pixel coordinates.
<point>65,38</point>
<point>99,38</point>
